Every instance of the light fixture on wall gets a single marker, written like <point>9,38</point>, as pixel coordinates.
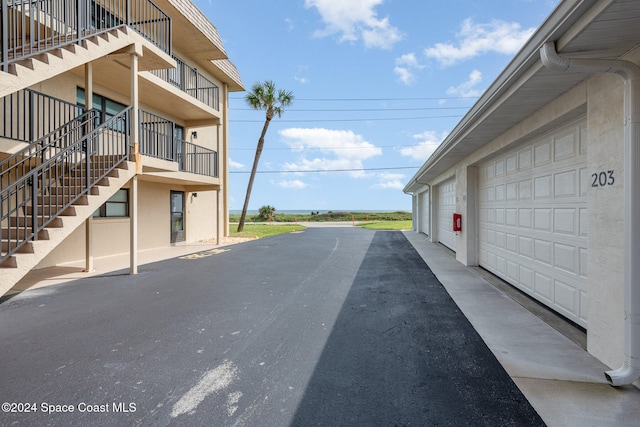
<point>194,194</point>
<point>194,134</point>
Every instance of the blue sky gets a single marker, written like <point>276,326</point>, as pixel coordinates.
<point>378,84</point>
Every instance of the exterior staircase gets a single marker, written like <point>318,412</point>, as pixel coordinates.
<point>59,226</point>
<point>49,188</point>
<point>62,163</point>
<point>44,38</point>
<point>30,70</point>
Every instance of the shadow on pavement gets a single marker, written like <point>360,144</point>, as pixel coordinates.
<point>402,353</point>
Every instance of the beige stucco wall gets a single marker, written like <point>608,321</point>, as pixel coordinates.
<point>601,99</point>
<point>111,235</point>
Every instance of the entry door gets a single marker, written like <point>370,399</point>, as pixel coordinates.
<point>177,216</point>
<point>446,208</point>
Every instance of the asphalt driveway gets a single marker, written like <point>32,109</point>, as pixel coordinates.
<point>330,326</point>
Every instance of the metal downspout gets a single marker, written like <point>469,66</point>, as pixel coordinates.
<point>630,72</point>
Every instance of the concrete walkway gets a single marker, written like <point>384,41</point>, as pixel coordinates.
<point>564,383</point>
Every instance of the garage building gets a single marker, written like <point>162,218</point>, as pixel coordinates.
<point>543,170</point>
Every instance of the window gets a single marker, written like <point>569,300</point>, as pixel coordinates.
<point>107,107</point>
<point>116,207</point>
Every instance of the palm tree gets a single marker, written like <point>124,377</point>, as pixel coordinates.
<point>267,212</point>
<point>263,96</point>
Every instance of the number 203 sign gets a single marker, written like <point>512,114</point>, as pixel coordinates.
<point>603,178</point>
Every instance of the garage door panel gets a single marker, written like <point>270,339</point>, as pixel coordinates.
<point>565,296</point>
<point>533,220</point>
<point>565,221</point>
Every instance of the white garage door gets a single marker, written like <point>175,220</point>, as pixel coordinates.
<point>423,212</point>
<point>446,209</point>
<point>533,220</point>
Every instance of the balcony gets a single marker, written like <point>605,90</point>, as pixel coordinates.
<point>158,141</point>
<point>188,80</point>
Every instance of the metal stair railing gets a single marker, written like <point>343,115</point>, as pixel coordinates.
<point>28,115</point>
<point>33,27</point>
<point>22,162</point>
<point>32,201</point>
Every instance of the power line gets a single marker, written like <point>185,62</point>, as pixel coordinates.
<point>351,120</point>
<point>318,148</point>
<point>375,99</point>
<point>362,109</point>
<point>330,170</point>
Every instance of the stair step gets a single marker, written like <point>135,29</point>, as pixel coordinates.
<point>80,182</point>
<point>26,222</point>
<point>61,200</point>
<point>48,210</point>
<point>80,172</point>
<point>21,233</point>
<point>10,262</point>
<point>27,248</point>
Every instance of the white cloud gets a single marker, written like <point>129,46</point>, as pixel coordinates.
<point>339,149</point>
<point>355,20</point>
<point>294,183</point>
<point>405,67</point>
<point>466,89</point>
<point>429,142</point>
<point>235,165</point>
<point>475,39</point>
<point>390,181</point>
<point>405,75</point>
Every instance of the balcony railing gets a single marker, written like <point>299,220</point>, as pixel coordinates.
<point>28,115</point>
<point>32,27</point>
<point>157,139</point>
<point>190,81</point>
<point>195,159</point>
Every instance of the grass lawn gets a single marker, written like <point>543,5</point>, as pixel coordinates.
<point>263,230</point>
<point>387,225</point>
<point>329,216</point>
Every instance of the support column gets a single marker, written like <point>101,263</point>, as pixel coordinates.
<point>88,224</point>
<point>224,179</point>
<point>133,190</point>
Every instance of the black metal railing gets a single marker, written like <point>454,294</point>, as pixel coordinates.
<point>157,139</point>
<point>195,159</point>
<point>28,115</point>
<point>32,201</point>
<point>22,162</point>
<point>32,27</point>
<point>190,81</point>
<point>156,136</point>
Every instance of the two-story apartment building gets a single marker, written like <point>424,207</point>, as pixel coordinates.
<point>114,131</point>
<point>544,171</point>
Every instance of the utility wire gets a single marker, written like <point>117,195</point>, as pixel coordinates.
<point>316,148</point>
<point>329,170</point>
<point>375,99</point>
<point>350,120</point>
<point>361,109</point>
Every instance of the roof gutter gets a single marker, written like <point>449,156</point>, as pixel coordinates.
<point>630,72</point>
